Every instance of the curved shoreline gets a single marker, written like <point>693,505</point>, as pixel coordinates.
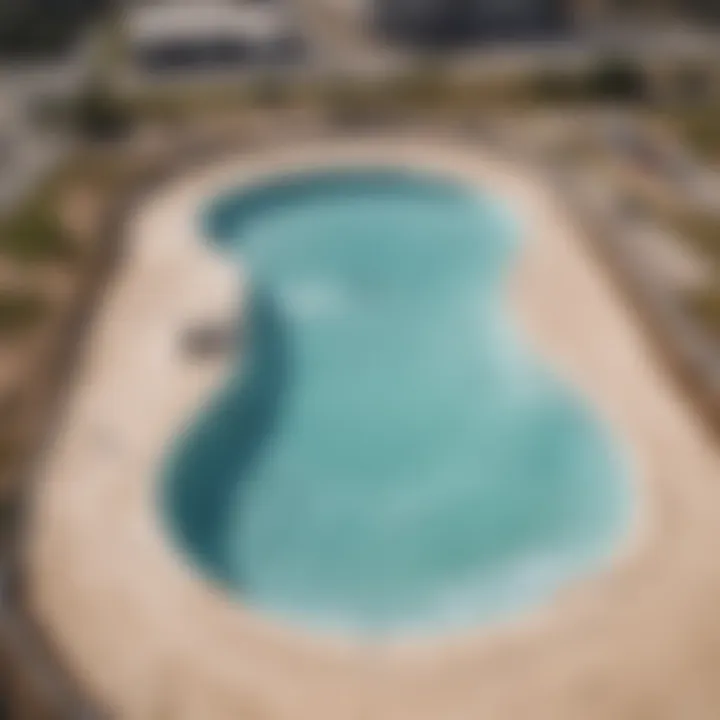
<point>102,576</point>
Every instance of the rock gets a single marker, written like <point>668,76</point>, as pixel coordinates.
<point>208,340</point>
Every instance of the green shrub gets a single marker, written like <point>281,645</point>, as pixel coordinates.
<point>616,79</point>
<point>99,114</point>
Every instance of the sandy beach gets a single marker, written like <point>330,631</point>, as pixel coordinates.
<point>148,637</point>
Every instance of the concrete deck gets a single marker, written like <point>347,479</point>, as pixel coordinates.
<point>150,639</point>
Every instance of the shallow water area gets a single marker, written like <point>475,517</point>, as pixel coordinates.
<point>389,456</point>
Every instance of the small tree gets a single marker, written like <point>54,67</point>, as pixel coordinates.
<point>100,114</point>
<point>617,79</point>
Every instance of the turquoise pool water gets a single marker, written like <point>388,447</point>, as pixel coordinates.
<point>389,455</point>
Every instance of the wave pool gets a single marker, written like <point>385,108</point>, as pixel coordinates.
<point>389,455</point>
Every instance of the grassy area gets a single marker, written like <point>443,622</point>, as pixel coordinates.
<point>705,305</point>
<point>699,228</point>
<point>615,80</point>
<point>20,312</point>
<point>190,103</point>
<point>429,89</point>
<point>700,128</point>
<point>33,232</point>
<point>702,230</point>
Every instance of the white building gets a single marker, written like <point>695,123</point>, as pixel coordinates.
<point>182,36</point>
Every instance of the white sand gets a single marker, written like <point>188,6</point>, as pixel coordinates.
<point>150,639</point>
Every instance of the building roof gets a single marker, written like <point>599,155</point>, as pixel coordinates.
<point>197,22</point>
